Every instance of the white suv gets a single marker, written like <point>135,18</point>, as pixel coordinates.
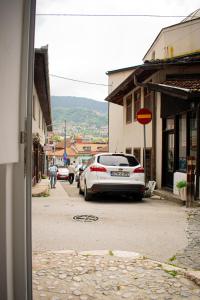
<point>113,173</point>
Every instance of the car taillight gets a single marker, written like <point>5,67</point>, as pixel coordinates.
<point>138,170</point>
<point>97,169</point>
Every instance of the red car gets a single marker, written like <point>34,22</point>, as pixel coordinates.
<point>63,173</point>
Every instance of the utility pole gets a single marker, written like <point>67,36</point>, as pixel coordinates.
<point>65,145</point>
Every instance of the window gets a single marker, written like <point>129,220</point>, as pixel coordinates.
<point>117,160</point>
<point>169,124</point>
<point>128,150</point>
<point>136,152</point>
<point>34,117</point>
<point>193,134</point>
<point>182,143</point>
<point>129,109</point>
<point>86,148</point>
<point>137,102</point>
<point>148,163</point>
<point>148,99</point>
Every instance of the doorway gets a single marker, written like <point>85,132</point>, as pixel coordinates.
<point>168,153</point>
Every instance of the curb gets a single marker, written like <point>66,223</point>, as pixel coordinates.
<point>189,274</point>
<point>41,191</point>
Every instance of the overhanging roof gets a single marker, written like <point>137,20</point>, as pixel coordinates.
<point>120,70</point>
<point>169,88</point>
<point>41,80</point>
<point>146,70</point>
<point>128,84</point>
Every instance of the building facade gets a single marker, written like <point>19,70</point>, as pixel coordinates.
<point>41,113</point>
<point>169,87</point>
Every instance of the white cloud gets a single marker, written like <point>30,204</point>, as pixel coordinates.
<point>86,47</point>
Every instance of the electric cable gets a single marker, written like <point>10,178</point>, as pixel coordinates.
<point>108,15</point>
<point>81,81</point>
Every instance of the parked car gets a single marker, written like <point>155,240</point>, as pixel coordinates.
<point>63,173</point>
<point>112,173</point>
<point>78,174</point>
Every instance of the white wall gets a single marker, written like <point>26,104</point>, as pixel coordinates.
<point>133,132</point>
<point>177,40</point>
<point>114,79</point>
<point>35,121</point>
<point>115,143</point>
<point>10,59</point>
<point>16,73</point>
<point>115,112</point>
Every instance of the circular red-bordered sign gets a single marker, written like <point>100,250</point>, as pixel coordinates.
<point>144,116</point>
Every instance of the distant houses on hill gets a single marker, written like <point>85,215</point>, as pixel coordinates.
<point>77,149</point>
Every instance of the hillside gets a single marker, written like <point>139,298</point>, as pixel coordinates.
<point>83,115</point>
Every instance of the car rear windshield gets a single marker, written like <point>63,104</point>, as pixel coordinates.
<point>118,160</point>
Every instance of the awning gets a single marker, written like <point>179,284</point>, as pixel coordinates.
<point>144,71</point>
<point>184,89</point>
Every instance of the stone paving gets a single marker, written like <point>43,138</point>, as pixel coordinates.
<point>41,189</point>
<point>107,275</point>
<point>190,256</point>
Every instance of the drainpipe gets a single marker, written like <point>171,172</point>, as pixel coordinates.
<point>153,157</point>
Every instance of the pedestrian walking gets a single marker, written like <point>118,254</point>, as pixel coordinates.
<point>71,169</point>
<point>53,175</point>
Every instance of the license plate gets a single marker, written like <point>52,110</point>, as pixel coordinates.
<point>120,173</point>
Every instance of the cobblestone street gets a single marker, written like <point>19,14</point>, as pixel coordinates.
<point>109,274</point>
<point>190,257</point>
<point>86,276</point>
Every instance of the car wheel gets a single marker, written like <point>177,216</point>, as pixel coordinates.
<point>87,196</point>
<point>138,197</point>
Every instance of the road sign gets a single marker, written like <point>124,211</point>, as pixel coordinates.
<point>65,157</point>
<point>144,116</point>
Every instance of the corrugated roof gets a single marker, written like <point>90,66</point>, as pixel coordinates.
<point>186,84</point>
<point>60,152</point>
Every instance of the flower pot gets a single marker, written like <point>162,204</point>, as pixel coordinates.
<point>183,194</point>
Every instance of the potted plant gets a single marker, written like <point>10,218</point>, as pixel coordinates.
<point>181,186</point>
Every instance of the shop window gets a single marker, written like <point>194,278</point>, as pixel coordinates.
<point>182,143</point>
<point>193,135</point>
<point>137,102</point>
<point>148,163</point>
<point>136,153</point>
<point>148,99</point>
<point>128,151</point>
<point>169,124</point>
<point>129,109</point>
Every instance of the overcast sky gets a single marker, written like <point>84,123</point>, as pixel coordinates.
<point>84,48</point>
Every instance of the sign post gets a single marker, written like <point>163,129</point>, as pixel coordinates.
<point>144,116</point>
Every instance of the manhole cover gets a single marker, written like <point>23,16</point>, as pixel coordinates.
<point>85,218</point>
